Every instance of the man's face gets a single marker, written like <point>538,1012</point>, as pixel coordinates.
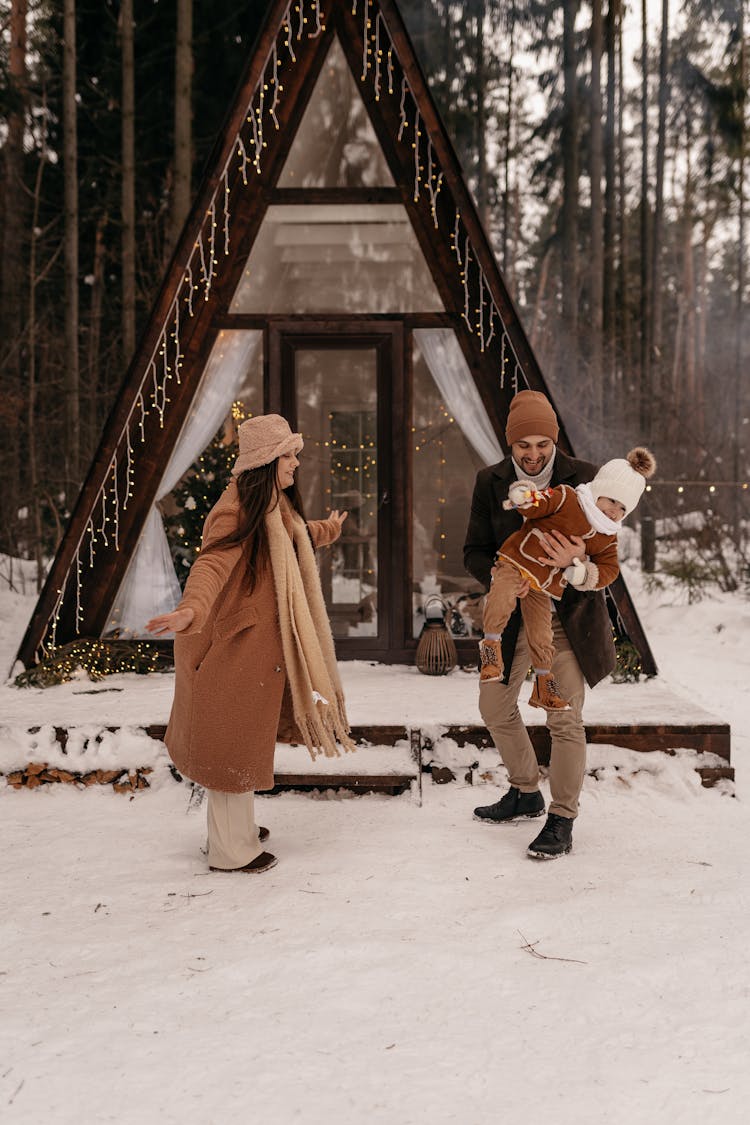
<point>533,453</point>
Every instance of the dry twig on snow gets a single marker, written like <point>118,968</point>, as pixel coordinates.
<point>529,947</point>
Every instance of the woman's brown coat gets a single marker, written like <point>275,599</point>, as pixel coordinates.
<point>229,665</point>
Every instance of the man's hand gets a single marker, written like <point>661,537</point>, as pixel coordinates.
<point>561,550</point>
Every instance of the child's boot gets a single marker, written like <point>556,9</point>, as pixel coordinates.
<point>546,693</point>
<point>491,661</point>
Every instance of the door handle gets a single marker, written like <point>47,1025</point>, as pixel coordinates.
<point>384,498</point>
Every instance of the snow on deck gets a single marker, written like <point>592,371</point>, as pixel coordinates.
<point>376,695</point>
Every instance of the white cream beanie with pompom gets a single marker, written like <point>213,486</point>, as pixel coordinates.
<point>624,479</point>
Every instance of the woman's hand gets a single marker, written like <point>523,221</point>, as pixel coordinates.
<point>173,622</point>
<point>561,550</point>
<point>338,519</point>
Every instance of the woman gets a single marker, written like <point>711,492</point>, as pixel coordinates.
<point>252,623</point>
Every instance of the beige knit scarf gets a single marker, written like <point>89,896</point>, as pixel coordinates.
<point>309,655</point>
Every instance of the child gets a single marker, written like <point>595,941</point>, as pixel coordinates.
<point>592,512</point>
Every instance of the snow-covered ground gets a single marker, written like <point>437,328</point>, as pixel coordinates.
<point>401,964</point>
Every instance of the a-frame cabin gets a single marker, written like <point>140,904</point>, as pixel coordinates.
<point>333,269</point>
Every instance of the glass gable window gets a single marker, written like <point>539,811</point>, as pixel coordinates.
<point>358,258</point>
<point>335,144</point>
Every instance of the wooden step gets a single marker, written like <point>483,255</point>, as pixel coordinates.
<point>392,759</point>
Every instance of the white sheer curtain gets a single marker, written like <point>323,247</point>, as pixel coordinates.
<point>453,378</point>
<point>150,584</point>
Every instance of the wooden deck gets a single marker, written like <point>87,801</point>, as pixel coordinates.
<point>410,729</point>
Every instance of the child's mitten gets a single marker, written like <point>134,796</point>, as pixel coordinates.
<point>522,494</point>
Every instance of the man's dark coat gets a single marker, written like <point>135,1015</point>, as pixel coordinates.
<point>583,615</point>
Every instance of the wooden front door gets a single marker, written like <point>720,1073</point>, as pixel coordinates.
<point>341,385</point>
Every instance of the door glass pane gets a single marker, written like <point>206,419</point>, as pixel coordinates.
<point>337,416</point>
<point>353,257</point>
<point>445,465</point>
<point>336,144</point>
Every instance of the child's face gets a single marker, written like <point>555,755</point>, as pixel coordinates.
<point>612,509</point>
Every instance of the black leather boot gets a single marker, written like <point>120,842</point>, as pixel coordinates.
<point>556,838</point>
<point>512,806</point>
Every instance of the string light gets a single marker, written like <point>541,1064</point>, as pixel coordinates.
<point>378,57</point>
<point>287,28</point>
<point>319,25</point>
<point>275,84</point>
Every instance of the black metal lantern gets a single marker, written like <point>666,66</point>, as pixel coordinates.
<point>436,650</point>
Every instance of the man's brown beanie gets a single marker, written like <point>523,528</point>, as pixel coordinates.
<point>530,415</point>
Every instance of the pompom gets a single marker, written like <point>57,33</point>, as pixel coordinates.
<point>642,461</point>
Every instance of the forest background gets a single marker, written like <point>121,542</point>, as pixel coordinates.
<point>606,148</point>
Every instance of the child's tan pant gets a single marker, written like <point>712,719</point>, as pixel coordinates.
<point>535,610</point>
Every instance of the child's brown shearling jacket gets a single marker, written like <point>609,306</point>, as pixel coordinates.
<point>558,509</point>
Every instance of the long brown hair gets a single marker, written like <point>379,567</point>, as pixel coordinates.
<point>258,491</point>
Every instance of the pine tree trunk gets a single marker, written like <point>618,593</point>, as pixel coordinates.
<point>481,120</point>
<point>701,298</point>
<point>657,304</point>
<point>596,249</point>
<point>72,451</point>
<point>625,335</point>
<point>33,462</point>
<point>646,253</point>
<point>740,399</point>
<point>648,531</point>
<point>514,243</point>
<point>569,139</point>
<point>11,274</point>
<point>128,180</point>
<point>539,302</point>
<point>183,120</point>
<point>508,139</point>
<point>610,200</point>
<point>692,419</point>
<point>95,333</point>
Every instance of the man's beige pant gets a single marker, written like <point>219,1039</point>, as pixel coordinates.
<point>498,704</point>
<point>232,831</point>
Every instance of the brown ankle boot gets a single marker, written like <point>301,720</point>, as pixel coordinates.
<point>491,660</point>
<point>546,694</point>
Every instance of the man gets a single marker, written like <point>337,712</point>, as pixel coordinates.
<point>584,648</point>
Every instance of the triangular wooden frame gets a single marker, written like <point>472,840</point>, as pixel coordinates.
<point>167,366</point>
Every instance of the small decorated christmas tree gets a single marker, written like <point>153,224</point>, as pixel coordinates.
<point>198,491</point>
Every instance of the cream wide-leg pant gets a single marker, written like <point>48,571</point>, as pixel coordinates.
<point>498,704</point>
<point>232,831</point>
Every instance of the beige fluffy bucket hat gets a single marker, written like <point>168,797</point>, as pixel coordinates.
<point>262,440</point>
